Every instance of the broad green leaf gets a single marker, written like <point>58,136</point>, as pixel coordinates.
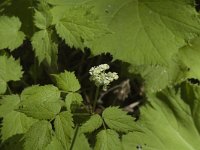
<point>107,140</point>
<point>10,70</point>
<point>67,81</point>
<point>145,32</point>
<point>64,127</point>
<point>81,142</point>
<point>42,19</point>
<point>15,123</point>
<point>77,25</point>
<point>169,122</point>
<point>92,124</point>
<point>38,136</point>
<point>43,46</point>
<point>40,102</point>
<point>190,56</point>
<point>10,35</point>
<point>54,145</point>
<point>157,77</point>
<point>73,98</point>
<point>8,103</point>
<point>118,120</point>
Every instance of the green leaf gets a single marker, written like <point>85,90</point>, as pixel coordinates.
<point>92,124</point>
<point>54,145</point>
<point>118,120</point>
<point>190,56</point>
<point>107,140</point>
<point>81,142</point>
<point>40,102</point>
<point>157,77</point>
<point>38,136</point>
<point>77,25</point>
<point>44,46</point>
<point>68,2</point>
<point>8,103</point>
<point>64,127</point>
<point>169,121</point>
<point>10,35</point>
<point>15,123</point>
<point>43,19</point>
<point>145,32</point>
<point>67,81</point>
<point>73,98</point>
<point>10,70</point>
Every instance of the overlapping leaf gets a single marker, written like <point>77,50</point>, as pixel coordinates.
<point>137,26</point>
<point>170,121</point>
<point>10,70</point>
<point>67,81</point>
<point>118,120</point>
<point>92,124</point>
<point>13,122</point>
<point>38,136</point>
<point>10,35</point>
<point>107,140</point>
<point>73,98</point>
<point>41,102</point>
<point>64,128</point>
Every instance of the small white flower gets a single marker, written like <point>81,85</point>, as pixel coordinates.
<point>100,77</point>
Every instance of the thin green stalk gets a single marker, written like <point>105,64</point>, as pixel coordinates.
<point>95,98</point>
<point>74,138</point>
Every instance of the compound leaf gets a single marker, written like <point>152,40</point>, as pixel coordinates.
<point>92,124</point>
<point>40,102</point>
<point>55,145</point>
<point>67,81</point>
<point>10,35</point>
<point>81,142</point>
<point>107,140</point>
<point>38,136</point>
<point>118,120</point>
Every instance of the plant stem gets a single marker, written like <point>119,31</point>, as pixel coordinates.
<point>95,98</point>
<point>74,138</point>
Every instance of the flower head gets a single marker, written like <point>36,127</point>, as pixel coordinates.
<point>100,77</point>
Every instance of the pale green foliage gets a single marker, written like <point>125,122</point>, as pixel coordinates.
<point>64,128</point>
<point>8,103</point>
<point>10,70</point>
<point>92,124</point>
<point>118,120</point>
<point>38,136</point>
<point>10,35</point>
<point>67,81</point>
<point>44,46</point>
<point>68,2</point>
<point>81,142</point>
<point>41,102</point>
<point>157,77</point>
<point>137,26</point>
<point>170,121</point>
<point>54,145</point>
<point>73,98</point>
<point>107,140</point>
<point>190,56</point>
<point>13,122</point>
<point>77,25</point>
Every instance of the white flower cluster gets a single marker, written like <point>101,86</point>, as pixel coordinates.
<point>100,77</point>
